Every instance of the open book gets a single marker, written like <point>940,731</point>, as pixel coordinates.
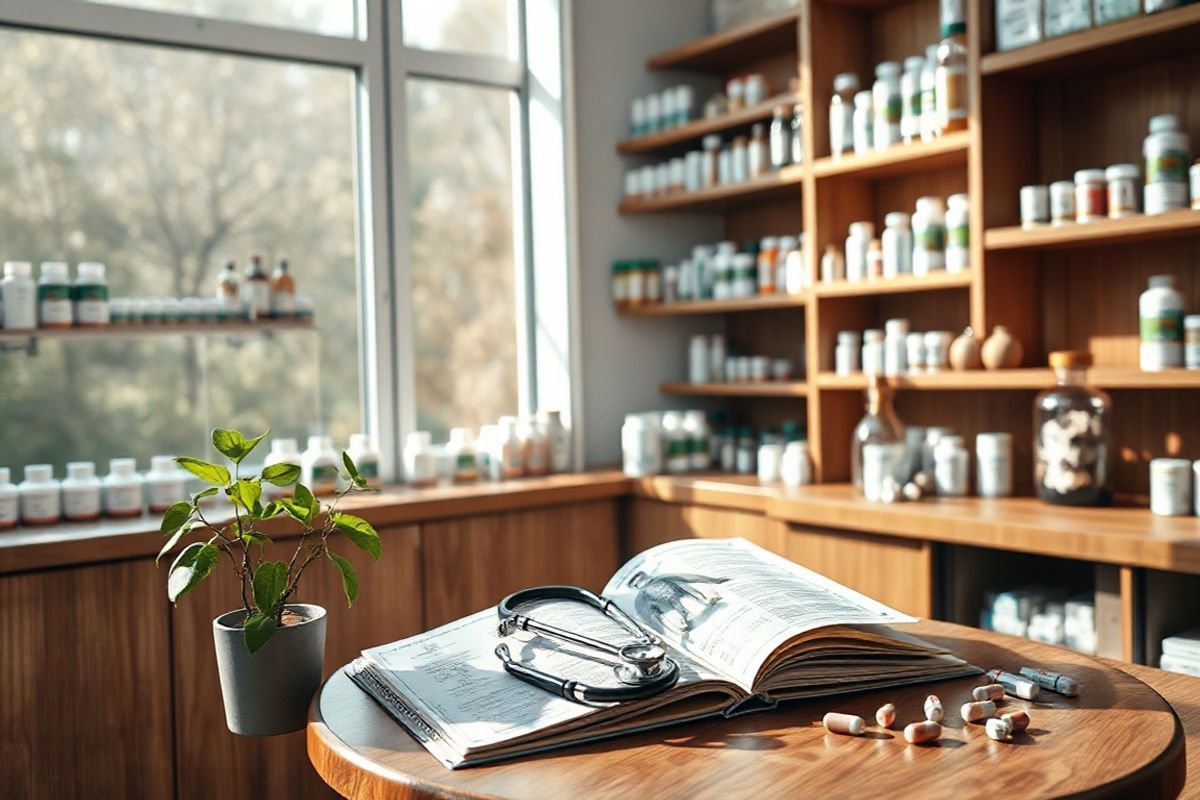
<point>748,629</point>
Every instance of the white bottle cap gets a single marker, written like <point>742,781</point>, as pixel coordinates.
<point>39,473</point>
<point>711,142</point>
<point>727,248</point>
<point>55,271</point>
<point>360,441</point>
<point>285,447</point>
<point>863,99</point>
<point>958,199</point>
<point>124,467</point>
<point>5,476</point>
<point>887,69</point>
<point>1162,123</point>
<point>769,243</point>
<point>913,63</point>
<point>949,440</point>
<point>897,219</point>
<point>896,327</point>
<point>845,82</point>
<point>320,443</point>
<point>91,270</point>
<point>1089,176</point>
<point>850,338</point>
<point>1162,281</point>
<point>865,230</point>
<point>992,444</point>
<point>417,440</point>
<point>1118,171</point>
<point>787,243</point>
<point>81,470</point>
<point>873,335</point>
<point>18,269</point>
<point>460,436</point>
<point>162,464</point>
<point>930,204</point>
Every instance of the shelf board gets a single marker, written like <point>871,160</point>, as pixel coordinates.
<point>700,128</point>
<point>148,331</point>
<point>719,198</point>
<point>721,52</point>
<point>937,281</point>
<point>1139,39</point>
<point>1021,379</point>
<point>759,303</point>
<point>765,389</point>
<point>901,159</point>
<point>1138,228</point>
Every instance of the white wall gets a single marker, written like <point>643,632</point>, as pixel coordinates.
<point>622,361</point>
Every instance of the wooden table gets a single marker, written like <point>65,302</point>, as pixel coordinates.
<point>1118,739</point>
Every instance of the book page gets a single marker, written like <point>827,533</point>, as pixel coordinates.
<point>453,678</point>
<point>731,604</point>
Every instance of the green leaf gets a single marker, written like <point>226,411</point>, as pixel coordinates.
<point>193,564</point>
<point>351,469</point>
<point>175,518</point>
<point>209,473</point>
<point>257,631</point>
<point>183,530</point>
<point>253,443</point>
<point>270,581</point>
<point>233,445</point>
<point>271,510</point>
<point>281,474</point>
<point>254,537</point>
<point>349,576</point>
<point>245,492</point>
<point>360,532</point>
<point>297,512</point>
<point>209,492</point>
<point>302,498</point>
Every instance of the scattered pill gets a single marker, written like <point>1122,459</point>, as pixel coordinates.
<point>1015,684</point>
<point>982,709</point>
<point>1000,729</point>
<point>993,692</point>
<point>912,491</point>
<point>886,715</point>
<point>924,482</point>
<point>933,709</point>
<point>1018,719</point>
<point>844,723</point>
<point>921,732</point>
<point>1052,681</point>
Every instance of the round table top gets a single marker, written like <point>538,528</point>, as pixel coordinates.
<point>1119,738</point>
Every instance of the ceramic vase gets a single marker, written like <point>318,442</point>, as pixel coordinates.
<point>965,352</point>
<point>1001,350</point>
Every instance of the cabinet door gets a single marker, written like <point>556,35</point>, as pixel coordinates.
<point>652,522</point>
<point>214,763</point>
<point>86,709</point>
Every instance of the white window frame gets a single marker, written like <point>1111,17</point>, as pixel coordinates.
<point>382,64</point>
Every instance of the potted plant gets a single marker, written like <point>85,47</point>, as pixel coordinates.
<point>271,650</point>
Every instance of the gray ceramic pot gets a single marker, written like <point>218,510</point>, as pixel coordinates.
<point>268,693</point>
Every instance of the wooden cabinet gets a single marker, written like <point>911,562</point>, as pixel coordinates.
<point>651,522</point>
<point>87,683</point>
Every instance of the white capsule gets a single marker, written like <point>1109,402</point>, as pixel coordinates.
<point>847,724</point>
<point>886,715</point>
<point>1000,729</point>
<point>921,732</point>
<point>982,709</point>
<point>1015,684</point>
<point>993,692</point>
<point>933,709</point>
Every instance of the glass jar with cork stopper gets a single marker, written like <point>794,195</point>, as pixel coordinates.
<point>1071,429</point>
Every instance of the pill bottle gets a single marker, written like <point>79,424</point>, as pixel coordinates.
<point>1166,153</point>
<point>54,296</point>
<point>698,359</point>
<point>366,458</point>
<point>41,496</point>
<point>735,93</point>
<point>929,236</point>
<point>847,352</point>
<point>795,468</point>
<point>1035,206</point>
<point>874,260</point>
<point>833,268</point>
<point>950,77</point>
<point>685,102</point>
<point>768,255</point>
<point>864,123</point>
<point>123,489</point>
<point>675,439</point>
<point>933,435</point>
<point>1160,313</point>
<point>81,492</point>
<point>712,150</point>
<point>739,154</point>
<point>914,345</point>
<point>19,295</point>
<point>1191,341</point>
<point>895,347</point>
<point>1071,438</point>
<point>485,447</point>
<point>662,176</point>
<point>420,460</point>
<point>90,295</point>
<point>536,447</point>
<point>1062,202</point>
<point>283,291</point>
<point>910,99</point>
<point>319,466</point>
<point>166,484</point>
<point>1122,190</point>
<point>887,104</point>
<point>10,501</point>
<point>937,350</point>
<point>1106,11</point>
<point>464,458</point>
<point>929,129</point>
<point>716,358</point>
<point>841,113</point>
<point>993,464</point>
<point>1091,195</point>
<point>745,452</point>
<point>641,447</point>
<point>958,233</point>
<point>857,244</point>
<point>792,269</point>
<point>897,242</point>
<point>950,466</point>
<point>1171,487</point>
<point>770,459</point>
<point>283,451</point>
<point>695,427</point>
<point>745,275</point>
<point>872,352</point>
<point>637,117</point>
<point>509,453</point>
<point>1194,175</point>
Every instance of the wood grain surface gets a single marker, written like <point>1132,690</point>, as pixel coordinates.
<point>1118,739</point>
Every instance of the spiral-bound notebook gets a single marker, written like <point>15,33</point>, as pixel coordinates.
<point>749,629</point>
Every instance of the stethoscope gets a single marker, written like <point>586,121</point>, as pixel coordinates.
<point>642,665</point>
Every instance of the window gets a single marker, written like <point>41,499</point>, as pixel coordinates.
<point>330,17</point>
<point>479,27</point>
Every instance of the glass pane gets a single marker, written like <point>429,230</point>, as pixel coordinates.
<point>483,27</point>
<point>330,17</point>
<point>163,163</point>
<point>464,295</point>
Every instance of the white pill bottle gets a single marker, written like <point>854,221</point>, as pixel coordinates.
<point>1160,314</point>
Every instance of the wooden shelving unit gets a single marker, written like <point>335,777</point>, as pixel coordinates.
<point>902,159</point>
<point>694,131</point>
<point>764,389</point>
<point>725,52</point>
<point>1129,230</point>
<point>1016,379</point>
<point>785,182</point>
<point>759,303</point>
<point>938,281</point>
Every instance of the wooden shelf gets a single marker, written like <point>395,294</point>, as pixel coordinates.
<point>721,198</point>
<point>703,127</point>
<point>765,389</point>
<point>721,52</point>
<point>902,159</point>
<point>1140,39</point>
<point>1138,228</point>
<point>162,329</point>
<point>759,303</point>
<point>937,281</point>
<point>1029,378</point>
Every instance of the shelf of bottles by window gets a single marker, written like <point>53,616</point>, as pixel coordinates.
<point>158,329</point>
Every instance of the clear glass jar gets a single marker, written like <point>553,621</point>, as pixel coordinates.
<point>879,427</point>
<point>1071,436</point>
